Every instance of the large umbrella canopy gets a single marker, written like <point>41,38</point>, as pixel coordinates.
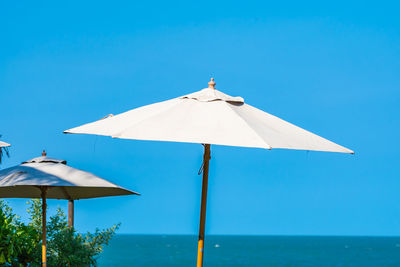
<point>208,117</point>
<point>45,177</point>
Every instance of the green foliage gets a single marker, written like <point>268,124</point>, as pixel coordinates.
<point>20,244</point>
<point>7,233</point>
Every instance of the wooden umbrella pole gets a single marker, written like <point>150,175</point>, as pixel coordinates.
<point>71,213</point>
<point>200,250</point>
<point>44,208</point>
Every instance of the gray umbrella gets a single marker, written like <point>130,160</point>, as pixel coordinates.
<point>45,177</point>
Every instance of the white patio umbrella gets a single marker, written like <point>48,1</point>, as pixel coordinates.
<point>49,178</point>
<point>208,117</point>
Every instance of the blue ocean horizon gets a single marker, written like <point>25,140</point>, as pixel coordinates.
<point>242,250</point>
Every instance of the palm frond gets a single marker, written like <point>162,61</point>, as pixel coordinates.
<point>4,151</point>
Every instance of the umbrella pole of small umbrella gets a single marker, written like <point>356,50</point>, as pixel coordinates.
<point>44,207</point>
<point>71,213</point>
<point>206,160</point>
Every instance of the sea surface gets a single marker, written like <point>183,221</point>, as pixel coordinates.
<point>181,250</point>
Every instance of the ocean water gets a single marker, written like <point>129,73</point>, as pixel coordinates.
<point>181,250</point>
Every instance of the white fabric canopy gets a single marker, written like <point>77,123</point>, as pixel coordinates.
<point>63,182</point>
<point>208,117</point>
<point>4,144</point>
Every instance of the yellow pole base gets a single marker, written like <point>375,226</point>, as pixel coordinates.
<point>200,251</point>
<point>44,263</point>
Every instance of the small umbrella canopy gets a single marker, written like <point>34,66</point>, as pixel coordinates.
<point>208,117</point>
<point>63,181</point>
<point>4,144</point>
<point>45,177</point>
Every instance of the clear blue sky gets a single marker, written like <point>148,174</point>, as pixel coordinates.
<point>331,68</point>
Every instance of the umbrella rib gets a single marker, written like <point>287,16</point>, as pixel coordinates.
<point>64,189</point>
<point>268,145</point>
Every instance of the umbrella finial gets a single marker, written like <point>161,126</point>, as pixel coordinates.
<point>211,84</point>
<point>44,154</point>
